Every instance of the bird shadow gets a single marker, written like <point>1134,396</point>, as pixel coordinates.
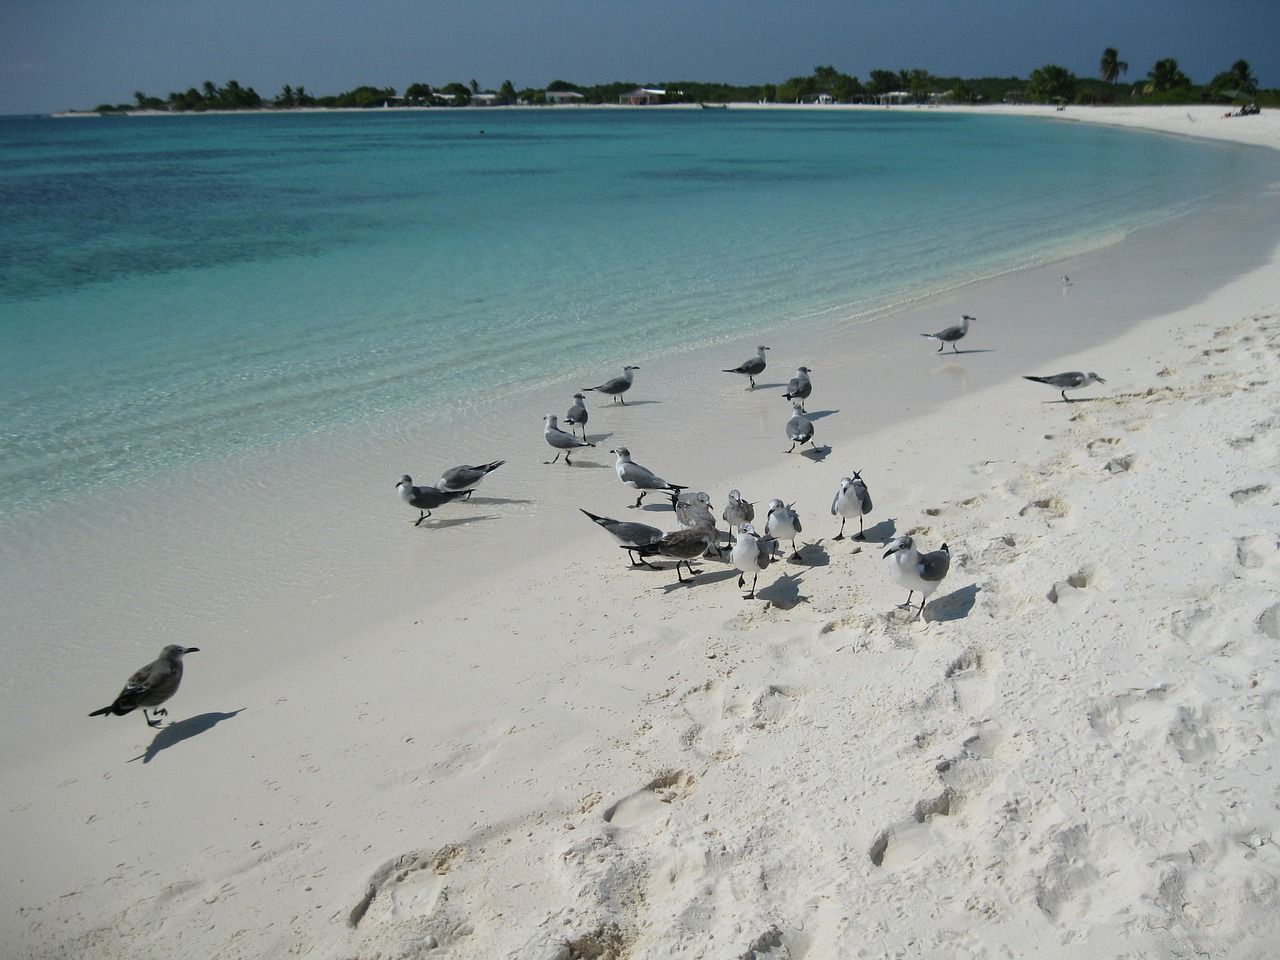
<point>651,506</point>
<point>784,593</point>
<point>435,524</point>
<point>811,555</point>
<point>180,730</point>
<point>960,353</point>
<point>881,533</point>
<point>819,414</point>
<point>590,465</point>
<point>954,606</point>
<point>817,454</point>
<point>598,438</point>
<point>496,500</point>
<point>629,403</point>
<point>699,578</point>
<point>1060,402</point>
<point>766,386</point>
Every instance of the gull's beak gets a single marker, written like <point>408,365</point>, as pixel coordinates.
<point>889,551</point>
<point>190,650</point>
<point>1102,380</point>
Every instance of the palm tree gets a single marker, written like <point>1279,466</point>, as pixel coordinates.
<point>1111,66</point>
<point>1165,75</point>
<point>1242,77</point>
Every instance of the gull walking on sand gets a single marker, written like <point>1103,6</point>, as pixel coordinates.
<point>917,571</point>
<point>694,510</point>
<point>618,385</point>
<point>783,523</point>
<point>425,499</point>
<point>751,553</point>
<point>629,535</point>
<point>737,512</point>
<point>1075,380</point>
<point>642,478</point>
<point>799,427</point>
<point>799,387</point>
<point>466,478</point>
<point>577,415</point>
<point>853,499</point>
<point>559,440</point>
<point>151,686</point>
<point>681,546</point>
<point>751,368</point>
<point>951,334</point>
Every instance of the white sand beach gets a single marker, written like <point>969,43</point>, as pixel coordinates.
<point>489,736</point>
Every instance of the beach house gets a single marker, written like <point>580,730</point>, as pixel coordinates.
<point>642,96</point>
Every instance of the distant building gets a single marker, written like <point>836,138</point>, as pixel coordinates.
<point>484,99</point>
<point>563,96</point>
<point>641,96</point>
<point>895,96</point>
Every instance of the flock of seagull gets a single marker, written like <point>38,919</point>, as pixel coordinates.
<point>750,551</point>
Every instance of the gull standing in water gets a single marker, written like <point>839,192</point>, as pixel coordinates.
<point>577,415</point>
<point>681,546</point>
<point>751,367</point>
<point>917,571</point>
<point>618,385</point>
<point>951,334</point>
<point>466,478</point>
<point>799,427</point>
<point>853,499</point>
<point>783,523</point>
<point>799,387</point>
<point>628,535</point>
<point>1075,380</point>
<point>151,685</point>
<point>737,512</point>
<point>642,478</point>
<point>561,441</point>
<point>425,499</point>
<point>751,553</point>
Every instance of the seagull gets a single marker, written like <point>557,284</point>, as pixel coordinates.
<point>799,387</point>
<point>751,553</point>
<point>681,546</point>
<point>737,512</point>
<point>799,427</point>
<point>916,572</point>
<point>629,535</point>
<point>852,499</point>
<point>577,415</point>
<point>751,367</point>
<point>151,686</point>
<point>695,510</point>
<point>951,334</point>
<point>783,523</point>
<point>1066,281</point>
<point>466,478</point>
<point>642,478</point>
<point>424,498</point>
<point>563,442</point>
<point>1075,380</point>
<point>618,385</point>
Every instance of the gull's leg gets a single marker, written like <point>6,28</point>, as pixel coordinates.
<point>557,457</point>
<point>150,722</point>
<point>425,514</point>
<point>840,535</point>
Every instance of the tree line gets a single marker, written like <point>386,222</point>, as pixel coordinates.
<point>1164,83</point>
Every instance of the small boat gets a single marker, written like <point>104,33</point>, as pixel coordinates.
<point>714,106</point>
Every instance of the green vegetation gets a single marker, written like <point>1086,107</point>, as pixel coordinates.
<point>1165,83</point>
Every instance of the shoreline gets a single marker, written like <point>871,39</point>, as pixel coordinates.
<point>494,698</point>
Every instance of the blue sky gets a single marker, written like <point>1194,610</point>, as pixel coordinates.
<point>56,54</point>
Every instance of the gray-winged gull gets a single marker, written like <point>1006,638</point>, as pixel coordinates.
<point>425,499</point>
<point>1075,380</point>
<point>951,334</point>
<point>751,367</point>
<point>151,686</point>
<point>853,499</point>
<point>917,571</point>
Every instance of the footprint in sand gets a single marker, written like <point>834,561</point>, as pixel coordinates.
<point>1072,589</point>
<point>1053,507</point>
<point>407,887</point>
<point>1255,551</point>
<point>651,800</point>
<point>1245,494</point>
<point>775,706</point>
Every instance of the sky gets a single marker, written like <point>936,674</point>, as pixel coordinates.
<point>60,54</point>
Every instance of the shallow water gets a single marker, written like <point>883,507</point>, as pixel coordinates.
<point>175,289</point>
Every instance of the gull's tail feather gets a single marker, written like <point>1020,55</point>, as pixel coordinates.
<point>603,521</point>
<point>1037,379</point>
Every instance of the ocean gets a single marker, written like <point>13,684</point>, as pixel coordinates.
<point>181,289</point>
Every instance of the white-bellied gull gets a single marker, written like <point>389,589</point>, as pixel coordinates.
<point>751,368</point>
<point>799,387</point>
<point>466,478</point>
<point>1075,380</point>
<point>853,499</point>
<point>917,571</point>
<point>642,478</point>
<point>618,385</point>
<point>425,499</point>
<point>682,546</point>
<point>737,512</point>
<point>151,686</point>
<point>751,554</point>
<point>799,427</point>
<point>629,535</point>
<point>560,441</point>
<point>951,334</point>
<point>783,523</point>
<point>694,510</point>
<point>577,415</point>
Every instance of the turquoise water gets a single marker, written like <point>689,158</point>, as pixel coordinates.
<point>173,289</point>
